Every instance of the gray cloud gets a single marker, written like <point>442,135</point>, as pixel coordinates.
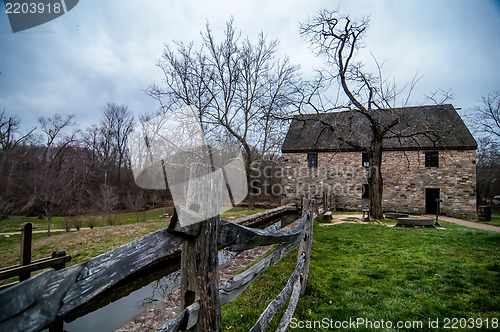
<point>106,51</point>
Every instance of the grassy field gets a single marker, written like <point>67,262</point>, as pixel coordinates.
<point>14,222</point>
<point>85,244</point>
<point>395,274</point>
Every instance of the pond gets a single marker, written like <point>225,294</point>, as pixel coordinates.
<point>116,309</point>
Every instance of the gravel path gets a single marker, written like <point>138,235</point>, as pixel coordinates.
<point>468,223</point>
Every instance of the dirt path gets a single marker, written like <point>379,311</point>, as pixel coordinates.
<point>468,223</point>
<point>356,218</point>
<point>52,231</point>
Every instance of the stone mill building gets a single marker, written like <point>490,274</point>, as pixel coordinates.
<point>428,154</point>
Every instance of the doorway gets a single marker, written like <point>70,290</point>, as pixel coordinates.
<point>430,200</point>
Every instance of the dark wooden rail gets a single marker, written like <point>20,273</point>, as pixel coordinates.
<point>14,271</point>
<point>243,237</point>
<point>23,270</point>
<point>51,295</point>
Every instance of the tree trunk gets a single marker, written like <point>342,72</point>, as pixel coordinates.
<point>248,170</point>
<point>3,161</point>
<point>375,181</point>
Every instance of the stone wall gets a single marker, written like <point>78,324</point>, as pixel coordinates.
<point>404,174</point>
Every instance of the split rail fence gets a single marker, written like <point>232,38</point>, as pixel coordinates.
<point>23,270</point>
<point>48,297</point>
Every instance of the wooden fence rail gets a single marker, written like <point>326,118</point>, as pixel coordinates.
<point>245,238</point>
<point>51,295</point>
<point>23,270</point>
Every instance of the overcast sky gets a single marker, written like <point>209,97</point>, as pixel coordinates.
<point>106,51</point>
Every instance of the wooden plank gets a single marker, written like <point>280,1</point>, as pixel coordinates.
<point>274,227</point>
<point>104,271</point>
<point>290,310</point>
<point>45,307</point>
<point>35,266</point>
<point>190,230</point>
<point>33,262</point>
<point>236,285</point>
<point>16,298</point>
<point>174,324</point>
<point>268,314</point>
<point>258,218</point>
<point>243,238</point>
<point>306,245</point>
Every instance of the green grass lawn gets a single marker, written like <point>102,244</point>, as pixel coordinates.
<point>395,274</point>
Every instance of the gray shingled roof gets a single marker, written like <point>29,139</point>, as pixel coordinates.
<point>437,127</point>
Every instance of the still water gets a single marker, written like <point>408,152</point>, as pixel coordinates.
<point>117,313</point>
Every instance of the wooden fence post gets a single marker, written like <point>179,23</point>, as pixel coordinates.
<point>58,324</point>
<point>26,235</point>
<point>308,205</point>
<point>199,258</point>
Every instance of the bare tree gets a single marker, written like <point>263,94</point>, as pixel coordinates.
<point>136,201</point>
<point>118,123</point>
<point>56,192</point>
<point>9,127</point>
<point>53,128</point>
<point>440,96</point>
<point>154,196</point>
<point>486,118</point>
<point>106,142</point>
<point>106,199</point>
<point>338,39</point>
<point>239,88</point>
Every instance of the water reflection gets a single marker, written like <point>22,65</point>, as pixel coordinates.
<point>167,285</point>
<point>117,313</point>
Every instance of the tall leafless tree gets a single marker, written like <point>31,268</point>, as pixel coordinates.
<point>338,39</point>
<point>240,89</point>
<point>485,120</point>
<point>136,201</point>
<point>53,128</point>
<point>106,142</point>
<point>56,192</point>
<point>106,199</point>
<point>9,139</point>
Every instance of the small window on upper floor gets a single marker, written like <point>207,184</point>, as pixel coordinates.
<point>312,160</point>
<point>432,159</point>
<point>365,161</point>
